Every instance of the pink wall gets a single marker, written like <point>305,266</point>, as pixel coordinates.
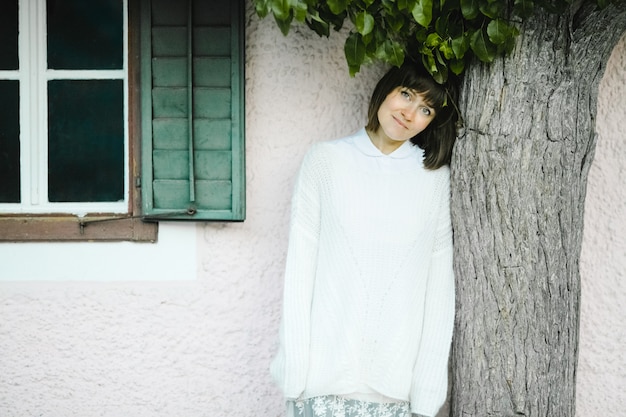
<point>601,389</point>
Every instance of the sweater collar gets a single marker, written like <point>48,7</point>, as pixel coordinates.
<point>365,145</point>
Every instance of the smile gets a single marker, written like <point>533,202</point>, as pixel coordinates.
<point>399,122</point>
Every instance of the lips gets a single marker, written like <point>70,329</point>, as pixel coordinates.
<point>399,122</point>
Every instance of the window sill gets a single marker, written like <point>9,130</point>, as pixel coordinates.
<point>75,229</point>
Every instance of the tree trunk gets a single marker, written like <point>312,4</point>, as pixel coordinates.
<point>518,189</point>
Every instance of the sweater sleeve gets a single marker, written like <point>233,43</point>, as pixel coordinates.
<point>290,366</point>
<point>430,375</point>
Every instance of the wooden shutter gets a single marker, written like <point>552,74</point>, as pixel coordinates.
<point>192,110</point>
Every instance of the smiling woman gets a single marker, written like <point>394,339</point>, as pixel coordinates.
<point>409,88</point>
<point>368,304</point>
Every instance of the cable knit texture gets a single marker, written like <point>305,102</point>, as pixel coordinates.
<point>369,286</point>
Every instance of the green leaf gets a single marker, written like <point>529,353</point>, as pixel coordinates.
<point>319,26</point>
<point>429,63</point>
<point>394,53</point>
<point>441,26</point>
<point>364,23</point>
<point>354,49</point>
<point>406,4</point>
<point>469,8</point>
<point>460,45</point>
<point>433,40</point>
<point>441,74</point>
<point>446,48</point>
<point>284,24</point>
<point>395,22</point>
<point>438,70</point>
<point>508,46</point>
<point>367,41</point>
<point>389,6</point>
<point>492,10</point>
<point>337,6</point>
<point>281,10</point>
<point>499,31</point>
<point>482,47</point>
<point>440,59</point>
<point>457,66</point>
<point>300,10</point>
<point>335,20</point>
<point>423,12</point>
<point>421,34</point>
<point>262,8</point>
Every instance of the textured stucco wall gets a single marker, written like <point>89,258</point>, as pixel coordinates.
<point>194,347</point>
<point>202,347</point>
<point>601,388</point>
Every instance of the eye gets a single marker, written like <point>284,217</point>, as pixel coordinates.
<point>426,111</point>
<point>405,94</point>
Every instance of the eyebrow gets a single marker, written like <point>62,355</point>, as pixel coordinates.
<point>422,94</point>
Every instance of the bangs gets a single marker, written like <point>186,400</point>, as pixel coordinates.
<point>434,94</point>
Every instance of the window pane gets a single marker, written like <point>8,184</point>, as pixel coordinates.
<point>85,140</point>
<point>8,34</point>
<point>85,34</point>
<point>9,142</point>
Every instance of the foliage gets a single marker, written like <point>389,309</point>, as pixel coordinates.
<point>444,34</point>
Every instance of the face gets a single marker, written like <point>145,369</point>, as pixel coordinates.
<point>403,114</point>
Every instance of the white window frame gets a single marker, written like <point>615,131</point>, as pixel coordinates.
<point>33,103</point>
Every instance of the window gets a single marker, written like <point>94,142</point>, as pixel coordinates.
<point>65,148</point>
<point>71,126</point>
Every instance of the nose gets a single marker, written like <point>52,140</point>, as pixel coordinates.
<point>408,112</point>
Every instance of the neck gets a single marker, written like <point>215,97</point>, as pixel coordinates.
<point>383,143</point>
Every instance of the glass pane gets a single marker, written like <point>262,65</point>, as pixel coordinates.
<point>8,34</point>
<point>85,34</point>
<point>9,142</point>
<point>85,140</point>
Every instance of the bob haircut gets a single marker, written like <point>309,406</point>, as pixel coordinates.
<point>437,140</point>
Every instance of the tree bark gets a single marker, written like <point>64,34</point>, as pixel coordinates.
<point>518,186</point>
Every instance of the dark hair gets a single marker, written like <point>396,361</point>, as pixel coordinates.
<point>437,140</point>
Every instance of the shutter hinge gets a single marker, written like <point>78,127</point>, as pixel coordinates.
<point>137,182</point>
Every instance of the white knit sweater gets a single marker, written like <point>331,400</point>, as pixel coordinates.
<point>369,286</point>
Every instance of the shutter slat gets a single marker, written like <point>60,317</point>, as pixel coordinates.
<point>169,102</point>
<point>212,41</point>
<point>212,72</point>
<point>169,72</point>
<point>214,165</point>
<point>169,133</point>
<point>212,103</point>
<point>169,41</point>
<point>213,134</point>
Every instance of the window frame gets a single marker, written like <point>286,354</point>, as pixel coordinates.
<point>128,226</point>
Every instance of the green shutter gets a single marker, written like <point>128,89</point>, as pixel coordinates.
<point>192,76</point>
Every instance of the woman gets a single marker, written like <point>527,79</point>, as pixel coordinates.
<point>368,303</point>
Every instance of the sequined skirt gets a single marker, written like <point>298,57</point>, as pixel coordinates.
<point>336,406</point>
